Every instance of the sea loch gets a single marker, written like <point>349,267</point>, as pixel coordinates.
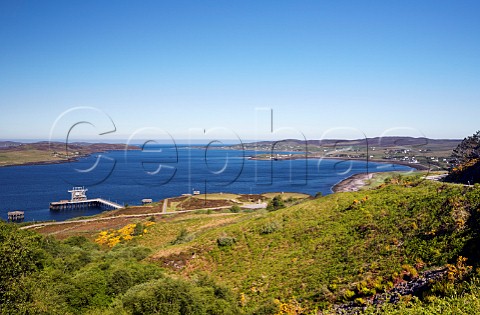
<point>127,177</point>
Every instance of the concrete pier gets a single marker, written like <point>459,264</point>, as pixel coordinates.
<point>79,201</point>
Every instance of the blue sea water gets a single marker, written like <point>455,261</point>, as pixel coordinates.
<point>163,171</point>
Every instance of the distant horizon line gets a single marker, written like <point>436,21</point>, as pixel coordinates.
<point>203,141</point>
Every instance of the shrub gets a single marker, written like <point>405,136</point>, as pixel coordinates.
<point>235,209</point>
<point>78,241</point>
<point>348,294</point>
<point>88,288</point>
<point>459,270</point>
<point>119,280</point>
<point>164,296</point>
<point>138,230</point>
<point>276,203</point>
<point>225,241</point>
<point>268,308</point>
<point>139,252</point>
<point>183,237</point>
<point>172,297</point>
<point>409,272</point>
<point>19,256</point>
<point>269,227</point>
<point>360,301</point>
<point>125,252</point>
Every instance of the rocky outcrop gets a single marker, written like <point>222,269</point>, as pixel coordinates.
<point>413,287</point>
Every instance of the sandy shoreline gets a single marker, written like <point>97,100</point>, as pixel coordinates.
<point>352,183</point>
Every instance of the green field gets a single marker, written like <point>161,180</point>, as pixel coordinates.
<point>28,156</point>
<point>45,152</point>
<point>217,196</point>
<point>287,195</point>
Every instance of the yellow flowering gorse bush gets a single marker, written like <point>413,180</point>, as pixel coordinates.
<point>124,234</point>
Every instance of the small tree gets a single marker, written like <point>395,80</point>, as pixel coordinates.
<point>468,149</point>
<point>276,203</point>
<point>235,209</point>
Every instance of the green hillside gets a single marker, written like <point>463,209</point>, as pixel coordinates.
<point>339,249</point>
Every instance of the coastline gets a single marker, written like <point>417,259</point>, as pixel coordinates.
<point>416,166</point>
<point>352,183</point>
<point>74,159</point>
<point>61,161</point>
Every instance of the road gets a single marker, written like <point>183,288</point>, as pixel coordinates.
<point>126,216</point>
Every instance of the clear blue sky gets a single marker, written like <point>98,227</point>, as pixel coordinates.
<point>175,65</point>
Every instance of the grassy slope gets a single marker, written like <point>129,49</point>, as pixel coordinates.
<point>321,250</point>
<point>328,250</point>
<point>27,156</point>
<point>43,152</point>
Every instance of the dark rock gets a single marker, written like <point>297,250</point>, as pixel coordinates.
<point>412,287</point>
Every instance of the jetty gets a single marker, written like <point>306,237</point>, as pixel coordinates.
<point>16,216</point>
<point>79,200</point>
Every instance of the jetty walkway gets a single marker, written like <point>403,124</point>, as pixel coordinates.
<point>82,204</point>
<point>79,201</point>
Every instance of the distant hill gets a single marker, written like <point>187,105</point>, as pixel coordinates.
<point>375,141</point>
<point>422,152</point>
